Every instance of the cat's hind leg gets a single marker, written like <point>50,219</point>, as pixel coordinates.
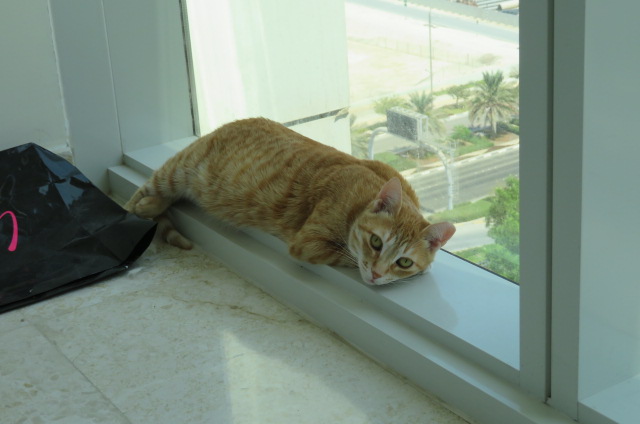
<point>170,234</point>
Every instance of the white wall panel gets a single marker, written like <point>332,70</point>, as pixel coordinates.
<point>610,292</point>
<point>31,104</point>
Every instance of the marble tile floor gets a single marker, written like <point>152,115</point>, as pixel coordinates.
<point>179,338</point>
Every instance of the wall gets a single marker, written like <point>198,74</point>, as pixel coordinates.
<point>31,101</point>
<point>610,288</point>
<point>124,75</point>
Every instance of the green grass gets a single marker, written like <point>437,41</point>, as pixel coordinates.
<point>463,212</point>
<point>397,162</point>
<point>467,85</point>
<point>452,110</point>
<point>479,143</point>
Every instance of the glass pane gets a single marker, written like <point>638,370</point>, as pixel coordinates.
<point>284,60</point>
<point>457,65</point>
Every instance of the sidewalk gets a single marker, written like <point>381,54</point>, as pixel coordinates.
<point>468,235</point>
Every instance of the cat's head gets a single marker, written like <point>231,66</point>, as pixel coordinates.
<point>392,240</point>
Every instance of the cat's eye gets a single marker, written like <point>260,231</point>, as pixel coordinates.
<point>404,262</point>
<point>376,242</point>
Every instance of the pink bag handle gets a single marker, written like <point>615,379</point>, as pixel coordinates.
<point>14,238</point>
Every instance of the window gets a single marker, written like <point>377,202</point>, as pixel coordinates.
<point>470,341</point>
<point>249,57</point>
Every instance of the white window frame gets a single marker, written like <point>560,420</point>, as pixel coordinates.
<point>106,108</point>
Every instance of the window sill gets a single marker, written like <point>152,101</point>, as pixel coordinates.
<point>455,303</point>
<point>453,331</point>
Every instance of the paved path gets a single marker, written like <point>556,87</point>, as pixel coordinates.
<point>469,234</point>
<point>444,19</point>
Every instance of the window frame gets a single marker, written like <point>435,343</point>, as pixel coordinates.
<point>536,167</point>
<point>433,364</point>
<point>568,82</point>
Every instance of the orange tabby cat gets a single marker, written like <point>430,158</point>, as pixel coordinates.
<point>329,207</point>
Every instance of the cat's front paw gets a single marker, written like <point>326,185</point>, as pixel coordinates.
<point>150,206</point>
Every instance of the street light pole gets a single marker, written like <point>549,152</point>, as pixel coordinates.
<point>447,162</point>
<point>376,132</point>
<point>430,54</point>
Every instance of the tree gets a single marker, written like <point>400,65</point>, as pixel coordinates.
<point>494,100</point>
<point>423,103</point>
<point>458,92</point>
<point>503,220</point>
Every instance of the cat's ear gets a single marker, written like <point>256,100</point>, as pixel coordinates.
<point>439,234</point>
<point>390,197</point>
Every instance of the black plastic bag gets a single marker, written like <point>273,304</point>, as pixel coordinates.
<point>58,231</point>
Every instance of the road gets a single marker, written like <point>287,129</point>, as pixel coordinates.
<point>474,178</point>
<point>446,20</point>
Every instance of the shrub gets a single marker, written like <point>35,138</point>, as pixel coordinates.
<point>463,212</point>
<point>502,261</point>
<point>461,132</point>
<point>506,127</point>
<point>495,258</point>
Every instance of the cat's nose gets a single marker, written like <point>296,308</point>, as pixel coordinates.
<point>375,275</point>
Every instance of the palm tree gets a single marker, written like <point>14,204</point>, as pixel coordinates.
<point>423,103</point>
<point>382,105</point>
<point>493,100</point>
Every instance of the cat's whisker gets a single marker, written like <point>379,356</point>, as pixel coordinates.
<point>347,255</point>
<point>344,249</point>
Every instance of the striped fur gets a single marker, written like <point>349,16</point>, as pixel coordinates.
<point>324,204</point>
